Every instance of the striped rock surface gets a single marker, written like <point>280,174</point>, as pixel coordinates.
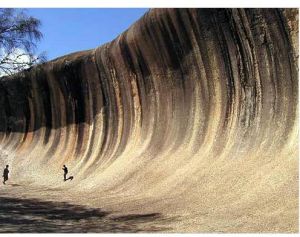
<point>190,112</point>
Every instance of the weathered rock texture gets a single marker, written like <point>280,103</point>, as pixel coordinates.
<point>190,112</point>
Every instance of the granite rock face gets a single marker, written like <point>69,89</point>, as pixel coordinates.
<point>199,104</point>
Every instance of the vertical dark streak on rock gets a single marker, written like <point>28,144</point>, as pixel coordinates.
<point>219,24</point>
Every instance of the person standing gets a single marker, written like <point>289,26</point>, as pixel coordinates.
<point>65,172</point>
<point>5,174</point>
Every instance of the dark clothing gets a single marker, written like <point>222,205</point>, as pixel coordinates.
<point>5,175</point>
<point>65,172</point>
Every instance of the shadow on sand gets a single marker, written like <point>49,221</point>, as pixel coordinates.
<point>34,216</point>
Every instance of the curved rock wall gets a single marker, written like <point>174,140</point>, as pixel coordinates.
<point>198,106</point>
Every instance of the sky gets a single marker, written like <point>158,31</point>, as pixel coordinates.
<point>68,30</point>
